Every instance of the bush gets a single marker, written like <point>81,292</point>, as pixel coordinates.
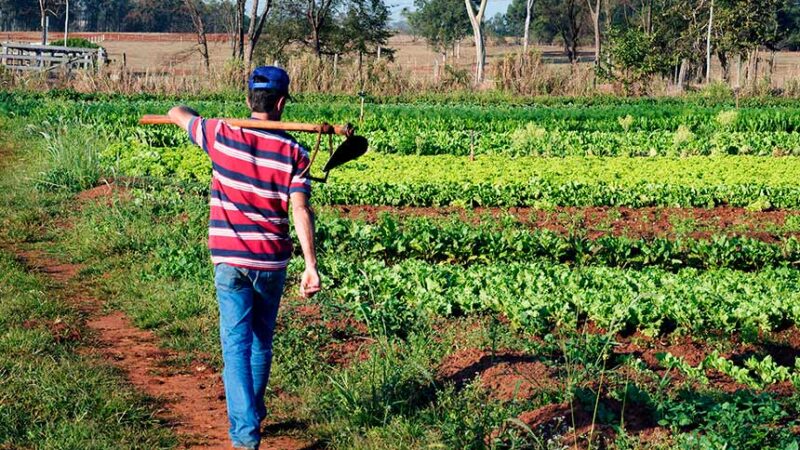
<point>75,42</point>
<point>530,140</point>
<point>634,59</point>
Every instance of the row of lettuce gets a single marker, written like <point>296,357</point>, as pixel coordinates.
<point>752,182</point>
<point>456,241</point>
<point>539,296</point>
<point>422,129</point>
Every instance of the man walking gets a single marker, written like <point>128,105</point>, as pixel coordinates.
<point>256,176</point>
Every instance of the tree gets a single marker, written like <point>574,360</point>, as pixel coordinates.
<point>514,18</point>
<point>256,27</point>
<point>568,18</point>
<point>634,58</point>
<point>365,28</point>
<point>528,12</point>
<point>441,23</point>
<point>476,19</point>
<point>319,15</point>
<point>708,42</point>
<point>46,7</point>
<point>157,16</point>
<point>594,11</point>
<point>200,28</point>
<point>286,27</point>
<point>788,25</point>
<point>238,21</point>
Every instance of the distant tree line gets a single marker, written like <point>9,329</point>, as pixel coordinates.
<point>113,15</point>
<point>326,28</point>
<point>632,39</point>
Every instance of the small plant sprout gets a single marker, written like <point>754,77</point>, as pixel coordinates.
<point>626,122</point>
<point>727,119</point>
<point>683,135</point>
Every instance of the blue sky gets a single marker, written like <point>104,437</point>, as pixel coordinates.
<point>492,8</point>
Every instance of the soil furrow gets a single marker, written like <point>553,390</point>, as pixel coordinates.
<point>595,222</point>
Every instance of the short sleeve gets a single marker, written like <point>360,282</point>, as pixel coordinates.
<point>201,132</point>
<point>301,181</point>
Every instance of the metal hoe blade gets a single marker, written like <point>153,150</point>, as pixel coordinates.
<point>352,148</point>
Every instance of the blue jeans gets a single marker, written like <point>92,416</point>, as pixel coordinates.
<point>248,308</point>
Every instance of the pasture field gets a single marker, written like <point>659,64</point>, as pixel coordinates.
<point>560,273</point>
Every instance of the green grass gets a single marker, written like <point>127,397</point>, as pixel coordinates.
<point>52,396</point>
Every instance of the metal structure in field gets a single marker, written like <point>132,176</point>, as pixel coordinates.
<point>44,58</point>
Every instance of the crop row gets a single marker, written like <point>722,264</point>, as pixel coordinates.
<point>538,296</point>
<point>753,182</point>
<point>643,116</point>
<point>456,241</point>
<point>528,140</point>
<point>754,372</point>
<point>627,130</point>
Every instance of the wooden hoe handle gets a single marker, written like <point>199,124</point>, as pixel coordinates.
<point>324,128</point>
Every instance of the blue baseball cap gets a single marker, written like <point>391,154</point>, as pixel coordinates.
<point>272,78</point>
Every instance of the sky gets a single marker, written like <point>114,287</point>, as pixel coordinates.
<point>492,8</point>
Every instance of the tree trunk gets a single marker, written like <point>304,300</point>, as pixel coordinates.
<point>476,19</point>
<point>43,15</point>
<point>239,51</point>
<point>595,13</point>
<point>199,28</point>
<point>255,31</point>
<point>66,25</point>
<point>738,71</point>
<point>682,74</point>
<point>528,12</point>
<point>771,65</point>
<point>708,43</point>
<point>251,30</point>
<point>755,66</point>
<point>317,43</point>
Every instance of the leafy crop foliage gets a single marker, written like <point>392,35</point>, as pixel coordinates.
<point>540,295</point>
<point>415,290</point>
<point>456,241</point>
<point>498,181</point>
<point>636,129</point>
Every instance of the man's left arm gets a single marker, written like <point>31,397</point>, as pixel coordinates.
<point>201,131</point>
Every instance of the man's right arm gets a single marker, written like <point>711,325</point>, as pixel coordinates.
<point>304,225</point>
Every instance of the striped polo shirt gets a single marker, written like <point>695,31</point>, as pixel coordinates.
<point>254,172</point>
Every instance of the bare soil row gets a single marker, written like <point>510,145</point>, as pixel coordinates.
<point>596,222</point>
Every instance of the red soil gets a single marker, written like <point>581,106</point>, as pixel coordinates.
<point>106,193</point>
<point>693,352</point>
<point>596,222</point>
<point>351,337</point>
<point>575,426</point>
<point>504,375</point>
<point>193,396</point>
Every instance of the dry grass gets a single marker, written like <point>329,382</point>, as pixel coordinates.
<point>175,66</point>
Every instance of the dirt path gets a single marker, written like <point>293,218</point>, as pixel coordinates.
<point>193,397</point>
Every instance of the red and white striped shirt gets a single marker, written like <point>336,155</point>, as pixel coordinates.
<point>254,172</point>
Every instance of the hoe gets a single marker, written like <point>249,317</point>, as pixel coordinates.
<point>351,148</point>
